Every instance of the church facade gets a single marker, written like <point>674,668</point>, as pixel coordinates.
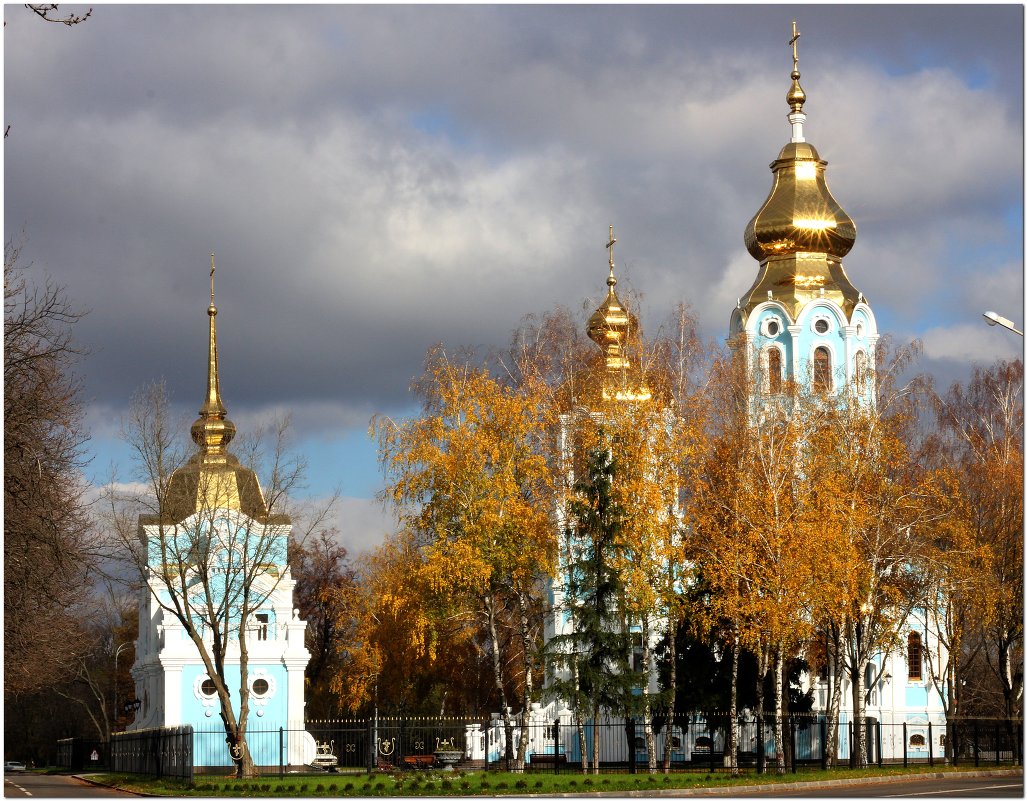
<point>216,569</point>
<point>802,324</point>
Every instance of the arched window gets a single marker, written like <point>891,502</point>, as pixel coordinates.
<point>861,370</point>
<point>774,371</point>
<point>821,369</point>
<point>914,657</point>
<point>917,741</point>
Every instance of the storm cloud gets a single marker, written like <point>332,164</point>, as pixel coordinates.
<point>375,179</point>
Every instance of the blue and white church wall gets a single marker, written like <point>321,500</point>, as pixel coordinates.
<point>783,351</point>
<point>172,683</point>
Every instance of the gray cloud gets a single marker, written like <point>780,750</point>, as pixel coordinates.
<point>375,179</point>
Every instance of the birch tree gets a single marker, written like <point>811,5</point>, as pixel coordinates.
<point>471,474</point>
<point>981,441</point>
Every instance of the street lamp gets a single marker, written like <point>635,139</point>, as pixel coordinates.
<point>117,653</point>
<point>994,318</point>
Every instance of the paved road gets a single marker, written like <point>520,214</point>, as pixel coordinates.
<point>36,785</point>
<point>955,786</point>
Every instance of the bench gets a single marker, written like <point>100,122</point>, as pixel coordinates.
<point>419,761</point>
<point>548,759</point>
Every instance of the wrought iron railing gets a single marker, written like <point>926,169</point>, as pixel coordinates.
<point>696,742</point>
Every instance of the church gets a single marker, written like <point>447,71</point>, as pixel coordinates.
<point>802,323</point>
<point>219,592</point>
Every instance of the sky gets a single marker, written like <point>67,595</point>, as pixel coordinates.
<point>375,179</point>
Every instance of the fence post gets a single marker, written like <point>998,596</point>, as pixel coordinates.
<point>371,746</point>
<point>853,748</point>
<point>709,733</point>
<point>997,749</point>
<point>880,749</point>
<point>977,746</point>
<point>791,736</point>
<point>905,750</point>
<point>281,751</point>
<point>556,746</point>
<point>823,744</point>
<point>761,750</point>
<point>930,745</point>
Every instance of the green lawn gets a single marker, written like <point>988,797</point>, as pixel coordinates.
<point>440,783</point>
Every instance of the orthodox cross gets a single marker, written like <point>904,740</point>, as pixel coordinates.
<point>212,278</point>
<point>609,246</point>
<point>795,48</point>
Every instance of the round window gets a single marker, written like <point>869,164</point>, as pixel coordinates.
<point>821,326</point>
<point>260,687</point>
<point>208,688</point>
<point>773,328</point>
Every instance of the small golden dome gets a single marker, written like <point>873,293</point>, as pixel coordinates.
<point>612,327</point>
<point>796,96</point>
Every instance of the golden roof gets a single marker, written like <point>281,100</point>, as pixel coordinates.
<point>612,327</point>
<point>212,479</point>
<point>800,233</point>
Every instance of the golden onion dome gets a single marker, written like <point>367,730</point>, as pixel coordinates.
<point>800,214</point>
<point>800,233</point>
<point>612,325</point>
<point>796,96</point>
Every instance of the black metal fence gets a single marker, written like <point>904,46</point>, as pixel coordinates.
<point>691,743</point>
<point>156,752</point>
<point>82,753</point>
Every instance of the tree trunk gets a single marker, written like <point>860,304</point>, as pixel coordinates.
<point>731,741</point>
<point>582,742</point>
<point>497,671</point>
<point>244,767</point>
<point>579,720</point>
<point>672,690</point>
<point>834,705</point>
<point>779,754</point>
<point>1012,684</point>
<point>529,693</point>
<point>859,732</point>
<point>647,712</point>
<point>762,669</point>
<point>595,742</point>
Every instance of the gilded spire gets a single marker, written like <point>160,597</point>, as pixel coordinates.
<point>212,431</point>
<point>611,326</point>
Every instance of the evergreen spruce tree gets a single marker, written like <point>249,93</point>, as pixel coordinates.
<point>597,651</point>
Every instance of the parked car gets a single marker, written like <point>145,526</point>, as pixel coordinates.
<point>13,767</point>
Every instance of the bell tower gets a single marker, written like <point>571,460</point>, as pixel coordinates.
<point>802,320</point>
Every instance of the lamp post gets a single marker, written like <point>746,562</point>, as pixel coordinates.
<point>117,653</point>
<point>994,318</point>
